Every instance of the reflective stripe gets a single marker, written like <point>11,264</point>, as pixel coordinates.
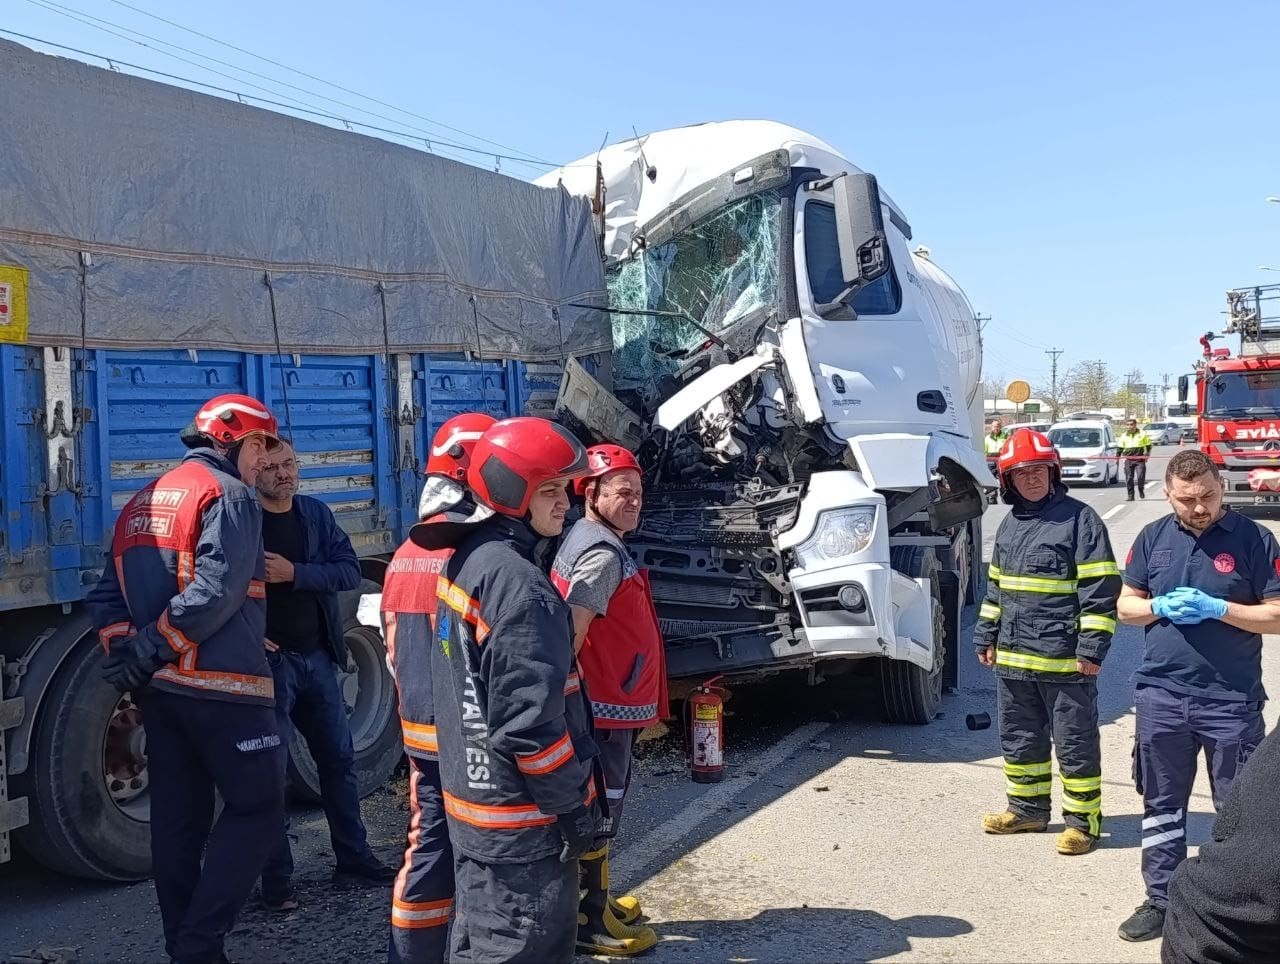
<point>989,610</point>
<point>186,570</point>
<point>1162,838</point>
<point>1039,584</point>
<point>513,817</point>
<point>545,761</point>
<point>1093,621</point>
<point>1096,570</point>
<point>1028,769</point>
<point>1029,789</point>
<point>419,736</point>
<point>1044,664</point>
<point>994,574</point>
<point>257,589</point>
<point>416,914</point>
<point>233,684</point>
<point>1076,805</point>
<point>573,683</point>
<point>1081,784</point>
<point>176,639</point>
<point>115,631</point>
<point>1160,819</point>
<point>462,604</point>
<point>614,794</point>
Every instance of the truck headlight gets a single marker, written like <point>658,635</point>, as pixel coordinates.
<point>839,533</point>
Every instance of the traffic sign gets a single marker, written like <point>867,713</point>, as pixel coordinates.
<point>1031,408</point>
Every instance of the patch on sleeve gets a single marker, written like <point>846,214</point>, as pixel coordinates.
<point>1160,558</point>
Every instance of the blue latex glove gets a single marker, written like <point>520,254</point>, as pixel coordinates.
<point>1162,606</point>
<point>1190,606</point>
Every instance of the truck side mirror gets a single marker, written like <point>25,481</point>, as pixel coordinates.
<point>1182,391</point>
<point>864,249</point>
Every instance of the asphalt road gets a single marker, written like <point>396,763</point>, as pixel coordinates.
<point>835,837</point>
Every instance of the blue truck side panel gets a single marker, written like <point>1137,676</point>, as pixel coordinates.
<point>360,443</point>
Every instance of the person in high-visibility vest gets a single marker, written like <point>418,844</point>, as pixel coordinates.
<point>1135,448</point>
<point>994,440</point>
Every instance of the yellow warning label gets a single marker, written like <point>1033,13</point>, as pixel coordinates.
<point>705,711</point>
<point>13,304</point>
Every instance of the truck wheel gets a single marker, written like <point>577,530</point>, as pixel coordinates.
<point>971,562</point>
<point>372,709</point>
<point>912,694</point>
<point>87,780</point>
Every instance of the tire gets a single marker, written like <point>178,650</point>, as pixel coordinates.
<point>973,584</point>
<point>78,826</point>
<point>912,694</point>
<point>372,710</point>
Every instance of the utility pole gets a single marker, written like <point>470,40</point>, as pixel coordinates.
<point>1053,402</point>
<point>982,322</point>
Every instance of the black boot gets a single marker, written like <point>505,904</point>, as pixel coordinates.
<point>599,929</point>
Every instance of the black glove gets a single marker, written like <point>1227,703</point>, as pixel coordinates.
<point>124,672</point>
<point>578,828</point>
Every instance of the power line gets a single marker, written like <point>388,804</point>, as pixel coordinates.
<point>109,26</point>
<point>1053,353</point>
<point>321,80</point>
<point>113,61</point>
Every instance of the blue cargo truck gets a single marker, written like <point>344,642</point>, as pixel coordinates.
<point>158,247</point>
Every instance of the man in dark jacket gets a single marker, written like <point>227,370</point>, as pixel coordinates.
<point>1046,625</point>
<point>513,724</point>
<point>309,560</point>
<point>1224,905</point>
<point>180,611</point>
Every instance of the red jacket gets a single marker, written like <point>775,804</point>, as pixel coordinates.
<point>623,659</point>
<point>408,610</point>
<point>186,575</point>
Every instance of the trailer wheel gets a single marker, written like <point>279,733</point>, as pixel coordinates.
<point>372,710</point>
<point>911,693</point>
<point>87,780</point>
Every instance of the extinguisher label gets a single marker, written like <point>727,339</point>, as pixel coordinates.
<point>707,751</point>
<point>706,711</point>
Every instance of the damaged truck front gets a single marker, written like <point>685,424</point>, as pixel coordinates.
<point>800,388</point>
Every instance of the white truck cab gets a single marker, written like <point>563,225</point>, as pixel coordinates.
<point>802,389</point>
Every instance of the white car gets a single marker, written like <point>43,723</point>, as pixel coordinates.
<point>1088,451</point>
<point>1163,433</point>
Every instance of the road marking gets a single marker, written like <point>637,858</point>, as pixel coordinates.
<point>1113,511</point>
<point>712,803</point>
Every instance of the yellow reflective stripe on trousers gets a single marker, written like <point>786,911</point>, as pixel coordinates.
<point>989,611</point>
<point>1092,621</point>
<point>1044,664</point>
<point>1039,584</point>
<point>1095,570</point>
<point>1028,769</point>
<point>1029,789</point>
<point>1078,785</point>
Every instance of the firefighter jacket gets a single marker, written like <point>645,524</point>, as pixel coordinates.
<point>1134,445</point>
<point>185,574</point>
<point>623,658</point>
<point>1051,590</point>
<point>408,608</point>
<point>513,721</point>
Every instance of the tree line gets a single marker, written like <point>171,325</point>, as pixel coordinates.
<point>1087,385</point>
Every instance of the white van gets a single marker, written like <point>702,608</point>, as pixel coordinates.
<point>1088,450</point>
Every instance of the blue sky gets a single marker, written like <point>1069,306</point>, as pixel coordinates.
<point>1093,174</point>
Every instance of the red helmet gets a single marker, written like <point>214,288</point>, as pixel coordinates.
<point>517,455</point>
<point>229,419</point>
<point>454,442</point>
<point>603,459</point>
<point>1027,447</point>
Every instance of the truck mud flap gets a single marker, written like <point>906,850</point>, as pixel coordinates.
<point>13,813</point>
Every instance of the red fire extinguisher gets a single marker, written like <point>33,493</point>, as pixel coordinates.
<point>706,733</point>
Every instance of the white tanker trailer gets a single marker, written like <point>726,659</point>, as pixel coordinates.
<point>802,389</point>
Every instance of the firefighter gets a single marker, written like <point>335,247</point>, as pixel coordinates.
<point>1135,448</point>
<point>517,758</point>
<point>422,901</point>
<point>181,611</point>
<point>623,663</point>
<point>994,440</point>
<point>1045,625</point>
<point>1204,583</point>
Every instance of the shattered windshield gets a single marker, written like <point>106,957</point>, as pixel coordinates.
<point>718,271</point>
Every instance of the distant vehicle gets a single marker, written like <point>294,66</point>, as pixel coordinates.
<point>1087,417</point>
<point>1163,433</point>
<point>1034,426</point>
<point>1088,450</point>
